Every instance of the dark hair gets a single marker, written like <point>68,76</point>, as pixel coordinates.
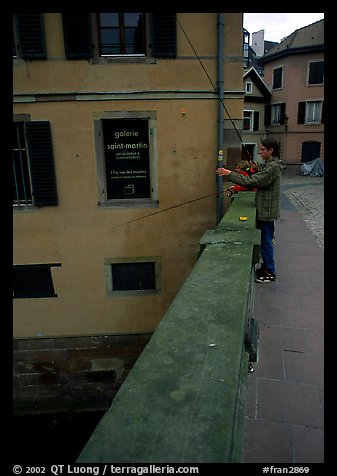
<point>248,166</point>
<point>271,143</point>
<point>243,164</point>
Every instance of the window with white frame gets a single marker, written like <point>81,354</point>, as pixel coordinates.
<point>248,120</point>
<point>249,87</point>
<point>251,120</point>
<point>313,112</point>
<point>276,113</point>
<point>126,158</point>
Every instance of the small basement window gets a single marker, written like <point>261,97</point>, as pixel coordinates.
<point>132,276</point>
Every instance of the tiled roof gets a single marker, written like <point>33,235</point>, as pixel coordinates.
<point>308,37</point>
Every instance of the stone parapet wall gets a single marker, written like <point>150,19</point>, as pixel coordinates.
<point>184,399</point>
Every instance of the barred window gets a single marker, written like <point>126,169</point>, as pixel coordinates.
<point>133,276</point>
<point>34,180</point>
<point>22,190</point>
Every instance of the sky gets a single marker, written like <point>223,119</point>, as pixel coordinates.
<point>276,26</point>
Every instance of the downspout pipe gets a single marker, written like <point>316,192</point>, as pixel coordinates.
<point>220,88</point>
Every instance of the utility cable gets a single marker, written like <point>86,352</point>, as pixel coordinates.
<point>213,85</point>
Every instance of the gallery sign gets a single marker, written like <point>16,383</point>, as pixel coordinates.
<point>126,147</point>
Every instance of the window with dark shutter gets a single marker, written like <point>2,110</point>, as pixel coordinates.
<point>33,281</point>
<point>41,161</point>
<point>301,113</point>
<point>77,35</point>
<point>278,114</point>
<point>121,34</point>
<point>164,35</point>
<point>30,35</point>
<point>256,125</point>
<point>267,115</point>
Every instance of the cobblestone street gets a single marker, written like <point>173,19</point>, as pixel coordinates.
<point>306,194</point>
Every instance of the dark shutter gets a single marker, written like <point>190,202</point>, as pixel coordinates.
<point>267,115</point>
<point>282,113</point>
<point>323,113</point>
<point>277,78</point>
<point>41,161</point>
<point>256,121</point>
<point>316,72</point>
<point>164,35</point>
<point>30,33</point>
<point>301,113</point>
<point>77,35</point>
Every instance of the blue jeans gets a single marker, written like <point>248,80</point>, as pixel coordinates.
<point>267,247</point>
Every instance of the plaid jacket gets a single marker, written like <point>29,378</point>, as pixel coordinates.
<point>268,184</point>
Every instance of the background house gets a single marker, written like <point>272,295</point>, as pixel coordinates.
<point>115,125</point>
<point>294,71</point>
<point>259,46</point>
<point>257,96</point>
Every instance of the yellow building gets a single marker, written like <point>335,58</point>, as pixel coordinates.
<point>117,127</point>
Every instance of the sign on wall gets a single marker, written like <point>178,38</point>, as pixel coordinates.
<point>126,147</point>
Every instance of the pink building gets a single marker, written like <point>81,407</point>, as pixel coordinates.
<point>294,72</point>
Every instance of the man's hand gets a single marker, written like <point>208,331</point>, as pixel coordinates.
<point>221,171</point>
<point>230,191</point>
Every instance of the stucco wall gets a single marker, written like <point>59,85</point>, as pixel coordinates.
<point>78,233</point>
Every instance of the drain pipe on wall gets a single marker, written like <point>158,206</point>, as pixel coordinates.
<point>220,86</point>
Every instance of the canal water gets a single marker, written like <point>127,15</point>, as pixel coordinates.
<point>52,438</point>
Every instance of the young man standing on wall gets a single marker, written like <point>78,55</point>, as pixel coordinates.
<point>267,199</point>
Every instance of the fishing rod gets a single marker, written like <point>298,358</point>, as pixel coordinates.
<point>168,208</point>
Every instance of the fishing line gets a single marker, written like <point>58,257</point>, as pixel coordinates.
<point>210,80</point>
